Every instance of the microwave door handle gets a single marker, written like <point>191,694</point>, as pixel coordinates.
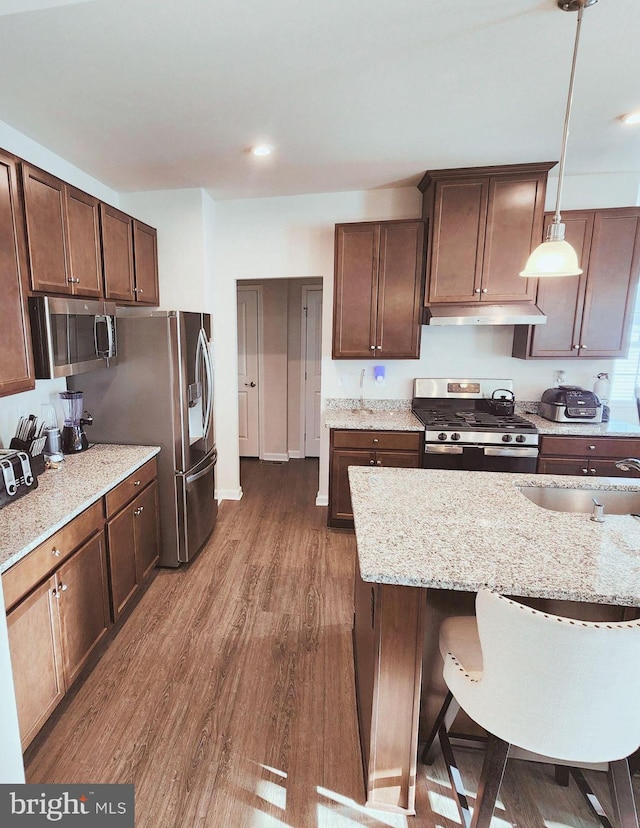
<point>104,319</point>
<point>96,321</point>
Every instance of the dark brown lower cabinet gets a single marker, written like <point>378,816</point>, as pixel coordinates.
<point>586,456</point>
<point>54,630</point>
<point>400,449</point>
<point>134,547</point>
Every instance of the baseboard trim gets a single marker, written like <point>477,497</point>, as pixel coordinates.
<point>322,499</point>
<point>296,455</point>
<point>228,494</point>
<point>275,457</point>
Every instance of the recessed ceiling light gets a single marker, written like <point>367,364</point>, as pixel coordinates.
<point>631,118</point>
<point>260,150</point>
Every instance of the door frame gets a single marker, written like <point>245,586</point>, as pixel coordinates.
<point>260,333</point>
<point>303,361</point>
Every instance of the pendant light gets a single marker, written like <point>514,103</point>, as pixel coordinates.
<point>555,256</point>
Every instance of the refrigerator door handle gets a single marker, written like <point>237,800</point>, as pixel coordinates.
<point>197,475</point>
<point>204,352</point>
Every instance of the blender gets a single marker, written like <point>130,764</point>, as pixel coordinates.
<point>73,437</point>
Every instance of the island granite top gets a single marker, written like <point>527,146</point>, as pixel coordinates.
<point>62,494</point>
<point>465,530</point>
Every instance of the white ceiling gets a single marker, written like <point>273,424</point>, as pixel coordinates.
<point>353,94</point>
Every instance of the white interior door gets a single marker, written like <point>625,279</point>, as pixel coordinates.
<point>312,300</point>
<point>248,393</point>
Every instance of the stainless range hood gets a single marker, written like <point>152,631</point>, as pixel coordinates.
<point>515,314</point>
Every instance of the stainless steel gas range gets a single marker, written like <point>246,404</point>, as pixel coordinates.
<point>462,431</point>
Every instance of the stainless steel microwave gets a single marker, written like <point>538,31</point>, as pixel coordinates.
<point>71,335</point>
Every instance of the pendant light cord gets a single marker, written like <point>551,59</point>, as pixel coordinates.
<point>563,152</point>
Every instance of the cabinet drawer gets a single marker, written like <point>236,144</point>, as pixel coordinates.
<point>395,440</point>
<point>129,488</point>
<point>27,572</point>
<point>612,447</point>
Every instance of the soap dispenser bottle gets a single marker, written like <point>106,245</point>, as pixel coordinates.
<point>602,388</point>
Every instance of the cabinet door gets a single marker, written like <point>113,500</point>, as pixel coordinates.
<point>340,509</point>
<point>84,256</point>
<point>514,227</point>
<point>146,531</point>
<point>398,459</point>
<point>614,266</point>
<point>83,604</point>
<point>16,365</point>
<point>117,253</point>
<point>355,290</point>
<point>44,214</point>
<point>34,641</point>
<point>562,299</point>
<point>145,258</point>
<point>458,226</point>
<point>123,573</point>
<point>563,465</point>
<point>399,306</point>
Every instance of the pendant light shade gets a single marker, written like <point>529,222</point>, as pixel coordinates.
<point>555,256</point>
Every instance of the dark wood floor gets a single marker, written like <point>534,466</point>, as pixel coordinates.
<point>228,697</point>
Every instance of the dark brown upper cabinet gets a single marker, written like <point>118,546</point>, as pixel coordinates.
<point>130,258</point>
<point>378,290</point>
<point>145,263</point>
<point>16,364</point>
<point>483,224</point>
<point>63,236</point>
<point>590,315</point>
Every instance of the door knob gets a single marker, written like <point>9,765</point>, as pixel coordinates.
<point>251,384</point>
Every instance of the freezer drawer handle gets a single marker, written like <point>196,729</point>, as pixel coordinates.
<point>490,451</point>
<point>193,477</point>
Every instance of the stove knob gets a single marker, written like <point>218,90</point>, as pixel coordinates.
<point>507,438</point>
<point>442,436</point>
<point>521,438</point>
<point>455,436</point>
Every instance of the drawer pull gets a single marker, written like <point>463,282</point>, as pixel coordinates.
<point>372,462</point>
<point>139,510</point>
<point>56,552</point>
<point>585,471</point>
<point>136,482</point>
<point>592,448</point>
<point>593,471</point>
<point>375,440</point>
<point>378,462</point>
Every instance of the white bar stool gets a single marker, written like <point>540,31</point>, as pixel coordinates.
<point>564,691</point>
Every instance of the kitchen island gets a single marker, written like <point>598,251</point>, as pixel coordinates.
<point>425,535</point>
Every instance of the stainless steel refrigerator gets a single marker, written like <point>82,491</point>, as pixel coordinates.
<point>161,393</point>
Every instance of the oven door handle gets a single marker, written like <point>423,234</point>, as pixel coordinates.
<point>515,451</point>
<point>438,449</point>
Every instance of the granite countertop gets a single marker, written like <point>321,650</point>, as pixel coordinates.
<point>395,415</point>
<point>62,494</point>
<point>466,530</point>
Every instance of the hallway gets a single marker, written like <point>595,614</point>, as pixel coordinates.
<point>228,697</point>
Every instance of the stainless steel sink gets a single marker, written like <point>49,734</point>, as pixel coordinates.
<point>581,500</point>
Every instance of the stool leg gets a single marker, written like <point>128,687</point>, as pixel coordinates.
<point>625,814</point>
<point>562,775</point>
<point>493,767</point>
<point>428,752</point>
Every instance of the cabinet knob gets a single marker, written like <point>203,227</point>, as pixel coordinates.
<point>138,290</point>
<point>139,510</point>
<point>137,482</point>
<point>585,471</point>
<point>576,347</point>
<point>379,347</point>
<point>372,462</point>
<point>63,587</point>
<point>372,347</point>
<point>378,462</point>
<point>485,290</point>
<point>56,552</point>
<point>592,448</point>
<point>583,348</point>
<point>593,471</point>
<point>375,440</point>
<point>73,281</point>
<point>477,290</point>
